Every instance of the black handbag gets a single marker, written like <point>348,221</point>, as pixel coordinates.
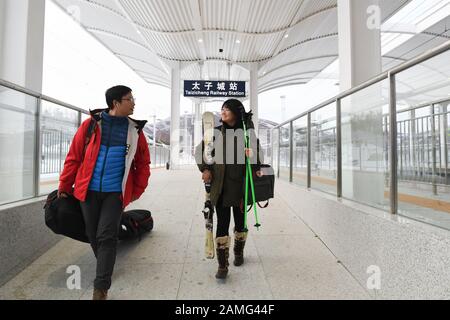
<point>264,186</point>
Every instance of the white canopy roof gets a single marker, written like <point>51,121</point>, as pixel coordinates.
<point>291,40</point>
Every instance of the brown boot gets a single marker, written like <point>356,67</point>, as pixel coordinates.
<point>223,252</point>
<point>239,244</point>
<point>100,294</point>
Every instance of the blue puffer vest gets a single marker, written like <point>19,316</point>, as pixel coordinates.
<point>110,165</point>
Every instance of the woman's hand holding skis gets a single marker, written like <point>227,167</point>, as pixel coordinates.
<point>206,176</point>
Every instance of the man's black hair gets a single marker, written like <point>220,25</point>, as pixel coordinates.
<point>116,93</point>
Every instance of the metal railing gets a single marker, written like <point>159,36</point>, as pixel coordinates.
<point>423,145</point>
<point>54,150</point>
<point>423,148</point>
<point>159,154</point>
<point>402,139</point>
<point>52,138</point>
<point>55,146</point>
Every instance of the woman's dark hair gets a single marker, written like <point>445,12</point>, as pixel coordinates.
<point>238,109</point>
<point>116,93</point>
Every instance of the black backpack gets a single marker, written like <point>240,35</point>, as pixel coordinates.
<point>134,224</point>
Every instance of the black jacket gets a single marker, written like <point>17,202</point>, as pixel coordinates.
<point>229,178</point>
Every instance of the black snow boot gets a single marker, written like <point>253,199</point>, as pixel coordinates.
<point>239,244</point>
<point>223,252</point>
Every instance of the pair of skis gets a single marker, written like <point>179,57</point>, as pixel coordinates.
<point>208,211</point>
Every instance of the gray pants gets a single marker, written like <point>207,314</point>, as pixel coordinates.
<point>102,213</point>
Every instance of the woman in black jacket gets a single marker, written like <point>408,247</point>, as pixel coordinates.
<point>227,180</point>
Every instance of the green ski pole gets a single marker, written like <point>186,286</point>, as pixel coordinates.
<point>250,176</point>
<point>246,198</point>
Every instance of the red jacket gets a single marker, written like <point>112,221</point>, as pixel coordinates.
<point>77,172</point>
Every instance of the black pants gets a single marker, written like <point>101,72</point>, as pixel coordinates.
<point>224,217</point>
<point>102,213</point>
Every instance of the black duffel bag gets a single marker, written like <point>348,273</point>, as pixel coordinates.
<point>264,186</point>
<point>64,216</point>
<point>134,224</point>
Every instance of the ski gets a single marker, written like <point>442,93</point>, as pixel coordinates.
<point>208,211</point>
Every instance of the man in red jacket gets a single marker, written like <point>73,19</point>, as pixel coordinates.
<point>106,175</point>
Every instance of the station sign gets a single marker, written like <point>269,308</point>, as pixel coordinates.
<point>207,89</point>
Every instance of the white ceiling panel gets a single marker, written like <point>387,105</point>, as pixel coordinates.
<point>111,20</point>
<point>291,40</point>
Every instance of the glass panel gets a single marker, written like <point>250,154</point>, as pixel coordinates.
<point>160,155</point>
<point>275,142</point>
<point>365,147</point>
<point>265,140</point>
<point>153,158</point>
<point>17,101</point>
<point>166,157</point>
<point>284,152</point>
<point>300,170</point>
<point>84,117</point>
<point>323,149</point>
<point>412,167</point>
<point>423,183</point>
<point>17,145</point>
<point>58,126</point>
